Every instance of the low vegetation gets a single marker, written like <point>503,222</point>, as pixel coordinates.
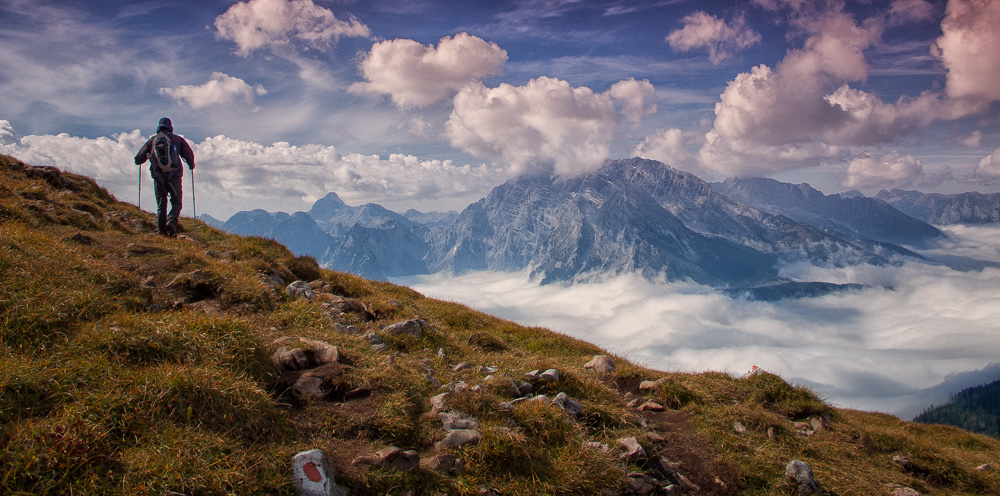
<point>136,364</point>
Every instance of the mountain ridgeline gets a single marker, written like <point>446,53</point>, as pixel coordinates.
<point>632,215</point>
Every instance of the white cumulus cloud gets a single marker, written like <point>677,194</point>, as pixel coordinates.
<point>703,30</point>
<point>804,113</point>
<point>414,75</point>
<point>220,89</point>
<point>546,126</point>
<point>667,146</point>
<point>256,24</point>
<point>968,48</point>
<point>892,170</point>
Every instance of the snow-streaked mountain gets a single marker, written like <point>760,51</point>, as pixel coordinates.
<point>942,209</point>
<point>631,215</point>
<point>854,214</point>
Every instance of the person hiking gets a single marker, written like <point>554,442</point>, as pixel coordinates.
<point>164,151</point>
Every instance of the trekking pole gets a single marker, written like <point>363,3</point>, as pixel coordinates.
<point>194,207</point>
<point>138,201</point>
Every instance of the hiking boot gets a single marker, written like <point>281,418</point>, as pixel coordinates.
<point>171,230</point>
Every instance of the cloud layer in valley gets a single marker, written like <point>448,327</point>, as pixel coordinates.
<point>916,334</point>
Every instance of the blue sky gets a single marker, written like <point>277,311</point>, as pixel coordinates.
<point>429,104</point>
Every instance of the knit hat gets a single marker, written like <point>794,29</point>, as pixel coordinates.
<point>165,124</point>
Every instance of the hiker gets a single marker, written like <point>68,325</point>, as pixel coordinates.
<point>164,151</point>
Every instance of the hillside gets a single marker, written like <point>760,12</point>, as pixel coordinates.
<point>137,364</point>
<point>976,409</point>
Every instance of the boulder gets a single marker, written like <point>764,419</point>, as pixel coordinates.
<point>458,437</point>
<point>413,328</point>
<point>457,420</point>
<point>800,472</point>
<point>631,448</point>
<point>601,363</point>
<point>313,475</point>
<point>639,483</point>
<point>300,289</point>
<point>446,464</point>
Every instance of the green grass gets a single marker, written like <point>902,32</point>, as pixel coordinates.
<point>113,381</point>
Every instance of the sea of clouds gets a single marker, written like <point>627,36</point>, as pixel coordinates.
<point>917,333</point>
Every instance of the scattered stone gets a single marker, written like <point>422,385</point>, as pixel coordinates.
<point>313,476</point>
<point>300,289</point>
<point>632,448</point>
<point>458,437</point>
<point>651,406</point>
<point>800,472</point>
<point>550,375</point>
<point>309,386</point>
<point>639,483</point>
<point>209,307</point>
<point>488,370</point>
<point>739,428</point>
<point>817,424</point>
<point>770,432</point>
<point>525,388</point>
<point>391,458</point>
<point>440,353</point>
<point>901,460</point>
<point>567,404</point>
<point>634,403</point>
<point>533,374</point>
<point>986,467</point>
<point>601,363</point>
<point>460,367</point>
<point>438,403</point>
<point>290,358</point>
<point>314,353</point>
<point>457,420</point>
<point>323,352</point>
<point>755,370</point>
<point>413,328</point>
<point>446,464</point>
<point>904,491</point>
<point>647,386</point>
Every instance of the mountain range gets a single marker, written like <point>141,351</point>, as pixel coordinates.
<point>632,215</point>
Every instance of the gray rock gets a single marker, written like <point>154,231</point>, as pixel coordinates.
<point>300,289</point>
<point>323,352</point>
<point>550,375</point>
<point>457,420</point>
<point>413,328</point>
<point>631,448</point>
<point>800,472</point>
<point>438,403</point>
<point>290,358</point>
<point>651,406</point>
<point>642,484</point>
<point>458,437</point>
<point>571,406</point>
<point>446,464</point>
<point>646,386</point>
<point>601,363</point>
<point>309,386</point>
<point>313,475</point>
<point>904,491</point>
<point>986,467</point>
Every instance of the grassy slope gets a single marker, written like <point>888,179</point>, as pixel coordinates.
<point>111,382</point>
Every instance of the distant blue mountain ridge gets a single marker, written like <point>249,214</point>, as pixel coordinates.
<point>632,215</point>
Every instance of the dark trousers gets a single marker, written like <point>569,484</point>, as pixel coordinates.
<point>164,188</point>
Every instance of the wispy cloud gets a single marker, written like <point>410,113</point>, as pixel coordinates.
<point>876,349</point>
